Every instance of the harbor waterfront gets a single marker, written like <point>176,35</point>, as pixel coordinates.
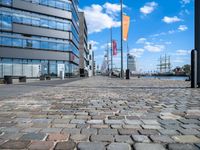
<point>101,113</point>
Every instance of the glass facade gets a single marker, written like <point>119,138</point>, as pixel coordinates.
<point>36,67</point>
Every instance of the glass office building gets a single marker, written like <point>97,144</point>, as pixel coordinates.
<point>39,37</point>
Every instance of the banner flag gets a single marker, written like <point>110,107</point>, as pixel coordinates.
<point>126,23</point>
<point>114,47</point>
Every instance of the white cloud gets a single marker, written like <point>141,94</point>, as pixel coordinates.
<point>112,8</point>
<point>154,48</point>
<point>137,52</point>
<point>182,52</point>
<point>169,20</point>
<point>185,1</point>
<point>98,20</point>
<point>148,8</point>
<point>182,27</point>
<point>141,41</point>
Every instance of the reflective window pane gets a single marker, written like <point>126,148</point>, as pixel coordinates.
<point>52,3</point>
<point>60,46</point>
<point>6,22</point>
<point>17,42</point>
<point>59,5</point>
<point>44,23</point>
<point>52,24</point>
<point>60,26</point>
<point>26,20</point>
<point>44,45</point>
<point>36,44</point>
<point>35,22</point>
<point>6,41</point>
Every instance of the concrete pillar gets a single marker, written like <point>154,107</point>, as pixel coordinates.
<point>197,37</point>
<point>194,69</point>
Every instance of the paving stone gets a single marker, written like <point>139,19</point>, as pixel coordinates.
<point>182,147</point>
<point>71,131</point>
<point>145,146</point>
<point>167,115</point>
<point>77,121</point>
<point>91,146</point>
<point>161,139</point>
<point>89,131</point>
<point>95,121</point>
<point>127,126</point>
<point>150,122</point>
<point>108,131</point>
<point>15,144</point>
<point>51,130</point>
<point>116,126</point>
<point>141,138</point>
<point>103,126</point>
<point>123,139</point>
<point>168,132</point>
<point>119,146</point>
<point>31,130</point>
<point>41,145</point>
<point>69,145</point>
<point>102,138</point>
<point>79,137</point>
<point>57,137</point>
<point>33,136</point>
<point>189,131</point>
<point>133,122</point>
<point>190,126</point>
<point>127,131</point>
<point>151,127</point>
<point>188,121</point>
<point>108,121</point>
<point>149,132</point>
<point>186,139</point>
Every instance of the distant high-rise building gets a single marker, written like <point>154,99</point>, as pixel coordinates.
<point>39,37</point>
<point>131,63</point>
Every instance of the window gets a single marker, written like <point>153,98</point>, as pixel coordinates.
<point>59,26</point>
<point>66,47</point>
<point>17,18</point>
<point>53,68</point>
<point>66,27</point>
<point>6,2</point>
<point>35,1</point>
<point>6,41</point>
<point>6,22</point>
<point>52,3</point>
<point>36,44</point>
<point>44,23</point>
<point>35,22</point>
<point>52,46</point>
<point>59,5</point>
<point>26,20</point>
<point>17,42</point>
<point>60,46</point>
<point>44,2</point>
<point>44,45</point>
<point>52,24</point>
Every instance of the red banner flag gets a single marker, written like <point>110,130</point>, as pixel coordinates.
<point>114,47</point>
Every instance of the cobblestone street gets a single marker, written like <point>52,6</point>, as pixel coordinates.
<point>101,113</point>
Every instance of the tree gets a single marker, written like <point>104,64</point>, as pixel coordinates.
<point>187,69</point>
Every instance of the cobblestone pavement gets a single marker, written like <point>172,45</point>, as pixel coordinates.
<point>101,113</point>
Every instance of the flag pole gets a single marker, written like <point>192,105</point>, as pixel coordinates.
<point>122,72</point>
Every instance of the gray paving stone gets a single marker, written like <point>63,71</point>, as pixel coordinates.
<point>89,131</point>
<point>77,121</point>
<point>33,136</point>
<point>123,139</point>
<point>15,144</point>
<point>141,138</point>
<point>161,139</point>
<point>133,122</point>
<point>79,137</point>
<point>119,146</point>
<point>168,132</point>
<point>186,139</point>
<point>95,121</point>
<point>71,131</point>
<point>114,121</point>
<point>145,146</point>
<point>127,131</point>
<point>182,147</point>
<point>91,146</point>
<point>69,145</point>
<point>108,131</point>
<point>102,138</point>
<point>189,131</point>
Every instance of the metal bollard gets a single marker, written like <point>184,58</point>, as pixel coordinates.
<point>194,69</point>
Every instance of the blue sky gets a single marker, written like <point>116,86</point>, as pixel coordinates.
<point>157,27</point>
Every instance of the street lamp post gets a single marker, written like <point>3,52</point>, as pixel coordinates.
<point>122,71</point>
<point>197,37</point>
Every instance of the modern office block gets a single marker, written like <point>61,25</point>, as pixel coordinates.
<point>83,46</point>
<point>39,37</point>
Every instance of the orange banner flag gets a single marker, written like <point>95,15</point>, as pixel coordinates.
<point>126,23</point>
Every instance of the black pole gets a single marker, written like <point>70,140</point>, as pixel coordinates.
<point>194,69</point>
<point>111,52</point>
<point>197,38</point>
<point>122,70</point>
